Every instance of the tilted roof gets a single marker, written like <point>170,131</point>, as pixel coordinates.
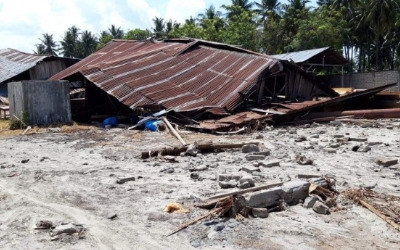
<point>14,62</point>
<point>183,75</point>
<point>314,56</point>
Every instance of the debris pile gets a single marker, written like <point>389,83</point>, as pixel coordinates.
<point>317,193</point>
<point>58,231</point>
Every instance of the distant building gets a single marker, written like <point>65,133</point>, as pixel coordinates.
<point>18,66</point>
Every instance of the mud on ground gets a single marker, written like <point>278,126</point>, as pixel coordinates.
<point>70,175</point>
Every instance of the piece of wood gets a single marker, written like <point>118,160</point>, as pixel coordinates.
<point>202,147</point>
<point>173,131</point>
<point>244,191</point>
<point>215,211</point>
<point>26,130</point>
<point>379,214</point>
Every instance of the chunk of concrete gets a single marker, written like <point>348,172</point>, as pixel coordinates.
<point>264,152</point>
<point>310,201</point>
<point>250,148</point>
<point>295,191</point>
<point>321,208</point>
<point>227,184</point>
<point>386,162</point>
<point>358,139</point>
<point>250,169</point>
<point>260,212</point>
<point>246,183</point>
<point>265,198</point>
<point>270,164</point>
<point>253,157</point>
<point>122,180</point>
<point>228,177</point>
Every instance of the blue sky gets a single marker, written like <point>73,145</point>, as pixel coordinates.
<point>22,22</point>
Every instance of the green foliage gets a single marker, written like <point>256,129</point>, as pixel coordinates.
<point>138,34</point>
<point>20,123</point>
<point>323,27</point>
<point>47,45</point>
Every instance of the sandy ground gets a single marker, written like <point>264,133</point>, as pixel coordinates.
<point>71,177</point>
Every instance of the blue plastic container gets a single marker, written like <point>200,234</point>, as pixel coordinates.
<point>152,125</point>
<point>110,121</point>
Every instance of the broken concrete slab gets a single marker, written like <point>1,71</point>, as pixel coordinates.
<point>252,157</point>
<point>228,177</point>
<point>386,162</point>
<point>250,148</point>
<point>265,153</point>
<point>270,163</point>
<point>358,139</point>
<point>260,212</point>
<point>122,180</point>
<point>227,184</point>
<point>320,208</point>
<point>250,169</point>
<point>295,191</point>
<point>246,183</point>
<point>265,198</point>
<point>310,201</point>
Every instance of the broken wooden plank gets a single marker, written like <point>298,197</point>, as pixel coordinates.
<point>380,215</point>
<point>202,147</point>
<point>173,131</point>
<point>244,191</point>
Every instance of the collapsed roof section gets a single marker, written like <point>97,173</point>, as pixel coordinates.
<point>186,75</point>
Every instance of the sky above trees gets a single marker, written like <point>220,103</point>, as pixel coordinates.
<point>22,22</point>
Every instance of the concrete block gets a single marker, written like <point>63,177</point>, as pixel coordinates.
<point>260,212</point>
<point>295,191</point>
<point>386,162</point>
<point>264,198</point>
<point>358,139</point>
<point>250,169</point>
<point>227,184</point>
<point>321,208</point>
<point>252,157</point>
<point>249,148</point>
<point>310,201</point>
<point>228,177</point>
<point>270,164</point>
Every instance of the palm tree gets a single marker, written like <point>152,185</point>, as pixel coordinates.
<point>237,7</point>
<point>70,41</point>
<point>49,45</point>
<point>211,14</point>
<point>380,15</point>
<point>87,44</point>
<point>159,27</point>
<point>117,33</point>
<point>40,49</point>
<point>268,8</point>
<point>325,2</point>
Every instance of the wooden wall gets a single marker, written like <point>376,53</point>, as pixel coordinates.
<point>40,102</point>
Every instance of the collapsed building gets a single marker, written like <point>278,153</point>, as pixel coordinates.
<point>191,77</point>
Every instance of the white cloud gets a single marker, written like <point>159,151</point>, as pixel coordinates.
<point>179,10</point>
<point>22,22</point>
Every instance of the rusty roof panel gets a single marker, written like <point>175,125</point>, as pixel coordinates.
<point>183,76</point>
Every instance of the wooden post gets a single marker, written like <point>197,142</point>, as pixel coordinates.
<point>173,131</point>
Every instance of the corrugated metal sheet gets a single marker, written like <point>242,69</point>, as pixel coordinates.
<point>14,62</point>
<point>300,56</point>
<point>305,55</point>
<point>180,75</point>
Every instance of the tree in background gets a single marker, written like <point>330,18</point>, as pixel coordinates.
<point>138,35</point>
<point>69,43</point>
<point>47,46</point>
<point>116,33</point>
<point>87,44</point>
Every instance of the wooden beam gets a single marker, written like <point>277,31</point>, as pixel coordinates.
<point>173,131</point>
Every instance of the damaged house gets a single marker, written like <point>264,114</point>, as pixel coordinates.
<point>191,77</point>
<point>18,66</point>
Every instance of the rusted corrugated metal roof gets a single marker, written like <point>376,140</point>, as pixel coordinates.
<point>182,75</point>
<point>14,62</point>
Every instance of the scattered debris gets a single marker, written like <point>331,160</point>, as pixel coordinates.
<point>385,206</point>
<point>68,229</point>
<point>175,208</point>
<point>122,180</point>
<point>302,160</point>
